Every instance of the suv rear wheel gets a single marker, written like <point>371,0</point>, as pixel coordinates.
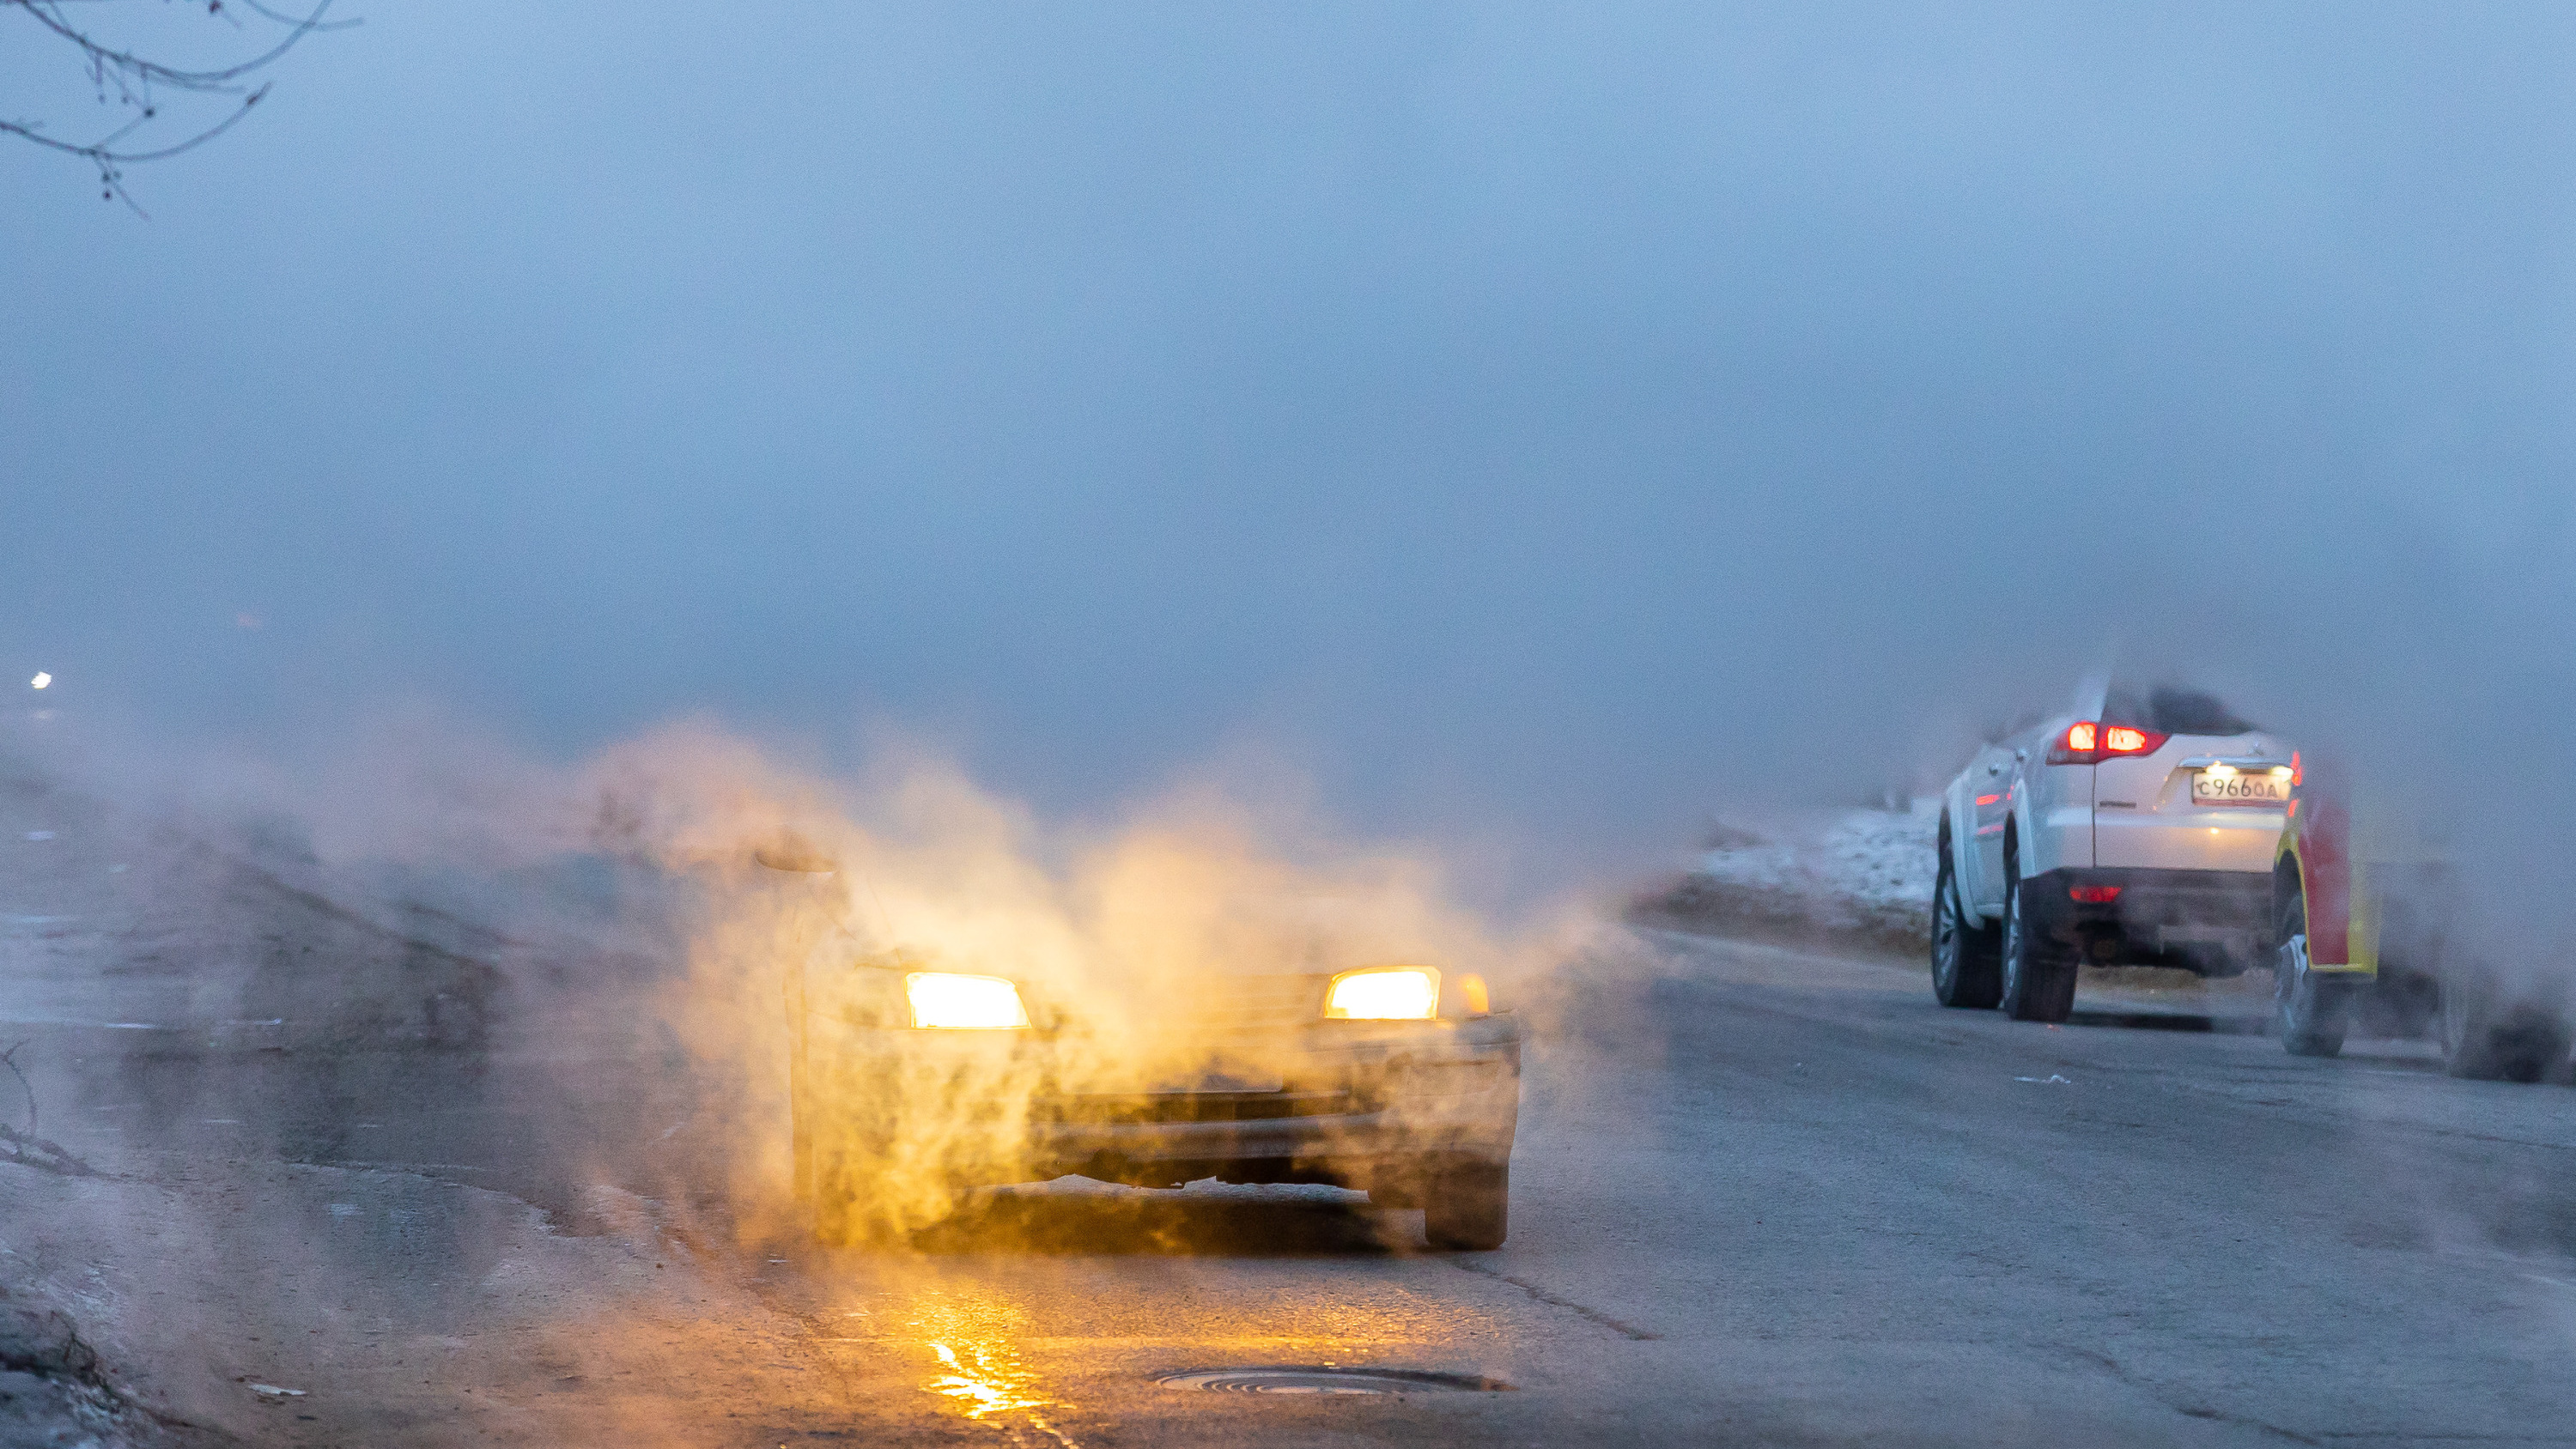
<point>2038,985</point>
<point>1967,961</point>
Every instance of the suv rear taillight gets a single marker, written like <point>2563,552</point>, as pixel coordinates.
<point>2080,745</point>
<point>2089,742</point>
<point>2130,740</point>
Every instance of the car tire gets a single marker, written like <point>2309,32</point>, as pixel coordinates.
<point>1967,961</point>
<point>800,1149</point>
<point>840,1157</point>
<point>2312,1015</point>
<point>2485,1039</point>
<point>823,1175</point>
<point>2037,985</point>
<point>1466,1207</point>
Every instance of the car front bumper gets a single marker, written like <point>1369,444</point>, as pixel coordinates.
<point>1338,1101</point>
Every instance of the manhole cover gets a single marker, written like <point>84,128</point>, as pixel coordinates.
<point>1312,1379</point>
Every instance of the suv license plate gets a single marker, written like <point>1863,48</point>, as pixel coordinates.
<point>2258,788</point>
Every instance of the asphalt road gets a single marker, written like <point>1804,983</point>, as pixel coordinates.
<point>457,1190</point>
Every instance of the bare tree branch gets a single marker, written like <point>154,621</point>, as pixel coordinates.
<point>26,1149</point>
<point>135,81</point>
<point>9,1059</point>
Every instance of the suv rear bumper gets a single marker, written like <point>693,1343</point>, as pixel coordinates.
<point>2195,918</point>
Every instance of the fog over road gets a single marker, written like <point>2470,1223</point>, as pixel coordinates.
<point>1144,489</point>
<point>454,1187</point>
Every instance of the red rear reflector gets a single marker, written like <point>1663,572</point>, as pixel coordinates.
<point>1988,799</point>
<point>2094,895</point>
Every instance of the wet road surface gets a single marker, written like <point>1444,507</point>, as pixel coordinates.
<point>1761,1196</point>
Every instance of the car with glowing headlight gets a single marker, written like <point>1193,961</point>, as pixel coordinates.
<point>2136,827</point>
<point>912,1078</point>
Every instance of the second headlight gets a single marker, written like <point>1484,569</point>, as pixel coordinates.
<point>1384,993</point>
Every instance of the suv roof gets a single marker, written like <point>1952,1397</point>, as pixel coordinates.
<point>2171,709</point>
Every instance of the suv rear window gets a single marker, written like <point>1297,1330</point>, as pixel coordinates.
<point>2173,710</point>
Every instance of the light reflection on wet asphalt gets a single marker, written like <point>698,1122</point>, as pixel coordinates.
<point>991,1330</point>
<point>975,1340</point>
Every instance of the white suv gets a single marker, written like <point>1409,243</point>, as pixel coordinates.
<point>2137,828</point>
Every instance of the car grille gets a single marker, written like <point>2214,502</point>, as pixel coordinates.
<point>1197,1106</point>
<point>1212,1007</point>
<point>1238,1003</point>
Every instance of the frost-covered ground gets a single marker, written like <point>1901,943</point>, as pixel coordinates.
<point>1881,859</point>
<point>1860,875</point>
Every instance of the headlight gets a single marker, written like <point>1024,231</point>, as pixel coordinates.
<point>1391,993</point>
<point>943,1001</point>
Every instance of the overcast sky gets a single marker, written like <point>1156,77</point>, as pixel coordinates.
<point>1555,419</point>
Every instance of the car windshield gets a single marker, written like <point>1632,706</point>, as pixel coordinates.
<point>2172,709</point>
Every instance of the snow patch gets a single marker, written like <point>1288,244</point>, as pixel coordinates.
<point>1876,858</point>
<point>1863,875</point>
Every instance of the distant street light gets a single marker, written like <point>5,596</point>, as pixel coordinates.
<point>40,681</point>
